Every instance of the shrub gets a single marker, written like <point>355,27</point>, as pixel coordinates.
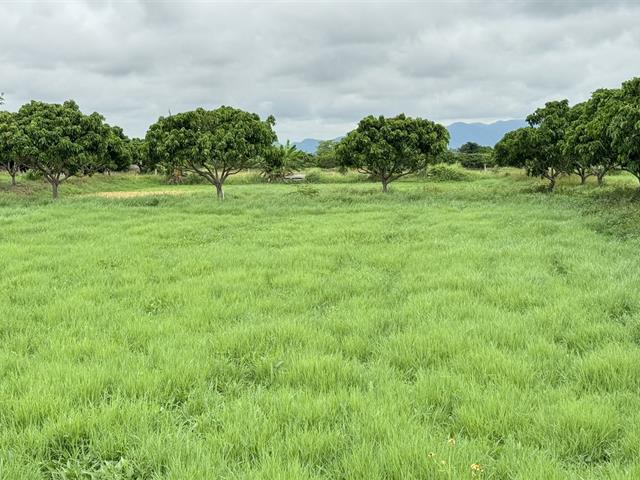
<point>446,173</point>
<point>193,179</point>
<point>314,177</point>
<point>476,160</point>
<point>33,175</point>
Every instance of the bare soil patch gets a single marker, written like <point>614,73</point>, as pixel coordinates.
<point>138,194</point>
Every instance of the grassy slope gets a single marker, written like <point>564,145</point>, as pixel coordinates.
<point>327,332</point>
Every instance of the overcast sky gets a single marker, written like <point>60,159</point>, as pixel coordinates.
<point>317,66</point>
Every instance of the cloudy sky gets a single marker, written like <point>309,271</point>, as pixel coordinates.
<point>317,66</point>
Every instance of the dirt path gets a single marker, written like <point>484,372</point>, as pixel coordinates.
<point>138,194</point>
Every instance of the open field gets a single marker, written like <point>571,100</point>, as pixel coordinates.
<point>320,331</point>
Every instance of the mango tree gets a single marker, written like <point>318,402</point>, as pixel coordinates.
<point>624,126</point>
<point>139,155</point>
<point>325,156</point>
<point>519,148</point>
<point>588,141</point>
<point>61,142</point>
<point>550,124</point>
<point>574,144</point>
<point>214,144</point>
<point>118,154</point>
<point>390,148</point>
<point>10,141</point>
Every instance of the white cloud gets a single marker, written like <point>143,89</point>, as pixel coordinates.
<point>318,67</point>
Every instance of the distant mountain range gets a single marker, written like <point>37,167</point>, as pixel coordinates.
<point>482,133</point>
<point>310,145</point>
<point>460,132</point>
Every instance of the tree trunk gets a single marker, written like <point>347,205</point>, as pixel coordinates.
<point>54,189</point>
<point>552,183</point>
<point>583,178</point>
<point>385,185</point>
<point>13,178</point>
<point>600,177</point>
<point>219,191</point>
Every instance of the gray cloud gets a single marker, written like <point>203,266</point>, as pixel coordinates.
<point>318,67</point>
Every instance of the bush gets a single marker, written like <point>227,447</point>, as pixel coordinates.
<point>446,173</point>
<point>314,177</point>
<point>476,160</point>
<point>33,175</point>
<point>193,179</point>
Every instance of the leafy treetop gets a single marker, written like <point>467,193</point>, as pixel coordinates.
<point>211,143</point>
<point>390,148</point>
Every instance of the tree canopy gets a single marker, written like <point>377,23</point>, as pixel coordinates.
<point>325,156</point>
<point>61,142</point>
<point>10,142</point>
<point>139,155</point>
<point>118,152</point>
<point>519,148</point>
<point>390,148</point>
<point>473,147</point>
<point>623,110</point>
<point>588,139</point>
<point>211,143</point>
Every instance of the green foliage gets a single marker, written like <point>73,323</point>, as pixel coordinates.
<point>476,160</point>
<point>118,155</point>
<point>517,148</point>
<point>442,172</point>
<point>447,156</point>
<point>391,148</point>
<point>550,122</point>
<point>588,142</point>
<point>539,148</point>
<point>10,145</point>
<point>211,143</point>
<point>589,139</point>
<point>61,142</point>
<point>624,126</point>
<point>278,161</point>
<point>139,155</point>
<point>314,177</point>
<point>325,156</point>
<point>473,147</point>
<point>33,175</point>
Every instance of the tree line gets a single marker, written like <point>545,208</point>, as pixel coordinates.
<point>59,142</point>
<point>589,139</point>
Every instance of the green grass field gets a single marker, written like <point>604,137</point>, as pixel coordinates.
<point>320,331</point>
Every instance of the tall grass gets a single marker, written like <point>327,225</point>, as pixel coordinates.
<point>342,333</point>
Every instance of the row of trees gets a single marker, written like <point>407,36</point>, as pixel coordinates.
<point>588,139</point>
<point>219,143</point>
<point>60,142</point>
